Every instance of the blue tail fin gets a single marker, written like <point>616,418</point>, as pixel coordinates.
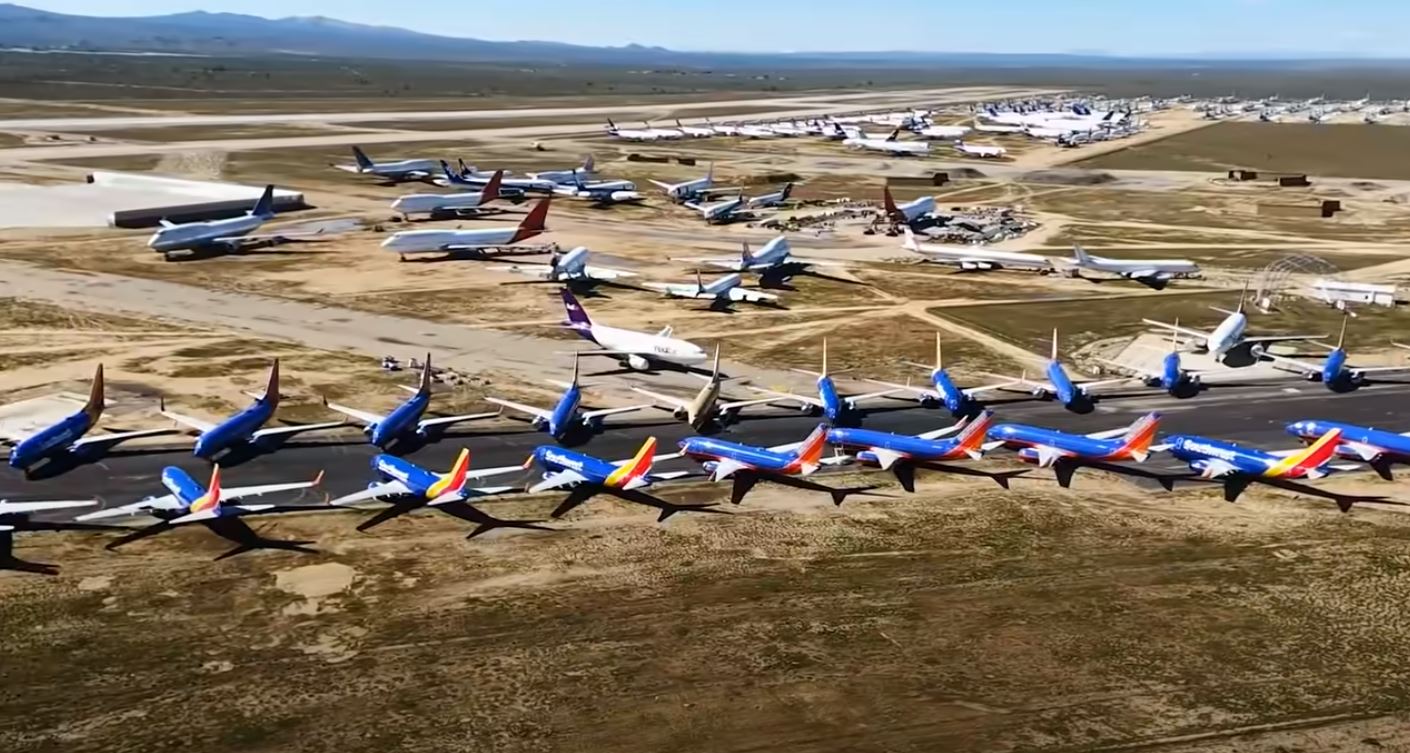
<point>363,162</point>
<point>264,208</point>
<point>577,317</point>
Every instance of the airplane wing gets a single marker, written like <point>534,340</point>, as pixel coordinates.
<point>1048,455</point>
<point>737,404</point>
<point>535,270</point>
<point>445,420</point>
<point>1300,366</point>
<point>804,399</point>
<point>557,481</point>
<point>1177,328</point>
<point>671,402</point>
<point>1279,338</point>
<point>607,273</point>
<point>522,408</point>
<point>732,265</point>
<point>392,488</point>
<point>240,492</point>
<point>363,416</point>
<point>604,412</point>
<point>282,430</point>
<point>724,468</point>
<point>120,436</point>
<point>660,184</point>
<point>945,432</point>
<point>463,494</point>
<point>204,515</point>
<point>164,502</point>
<point>815,262</point>
<point>194,423</point>
<point>871,395</point>
<point>1099,383</point>
<point>11,508</point>
<point>1138,371</point>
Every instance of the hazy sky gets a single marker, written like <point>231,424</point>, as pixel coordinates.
<point>1133,27</point>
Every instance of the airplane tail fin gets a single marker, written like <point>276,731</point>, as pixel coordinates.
<point>894,135</point>
<point>1136,442</point>
<point>491,191</point>
<point>889,203</point>
<point>911,243</point>
<point>787,189</point>
<point>209,501</point>
<point>823,373</point>
<point>745,256</point>
<point>363,163</point>
<point>808,457</point>
<point>971,438</point>
<point>1242,297</point>
<point>454,481</point>
<point>264,208</point>
<point>1316,454</point>
<point>424,388</point>
<point>939,353</point>
<point>1055,344</point>
<point>611,127</point>
<point>630,473</point>
<point>1080,254</point>
<point>576,359</point>
<point>715,372</point>
<point>271,388</point>
<point>1341,338</point>
<point>94,407</point>
<point>533,223</point>
<point>451,177</point>
<point>577,317</point>
<point>589,164</point>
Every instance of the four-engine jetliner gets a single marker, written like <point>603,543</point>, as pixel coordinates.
<point>454,241</point>
<point>775,199</point>
<point>718,212</point>
<point>67,436</point>
<point>600,192</point>
<point>1072,395</point>
<point>1229,334</point>
<point>976,150</point>
<point>705,408</point>
<point>1377,447</point>
<point>721,293</point>
<point>565,418</point>
<point>589,476</point>
<point>226,235</point>
<point>1153,272</point>
<point>639,350</point>
<point>405,421</point>
<point>858,139</point>
<point>747,464</point>
<point>960,402</point>
<point>971,258</point>
<point>437,203</point>
<point>834,406</point>
<point>1063,451</point>
<point>690,189</point>
<point>399,170</point>
<point>909,212</point>
<point>1334,372</point>
<point>1239,465</point>
<point>243,428</point>
<point>569,267</point>
<point>187,501</point>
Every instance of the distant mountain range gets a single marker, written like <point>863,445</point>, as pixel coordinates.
<point>230,34</point>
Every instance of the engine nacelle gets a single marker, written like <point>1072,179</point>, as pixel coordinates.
<point>929,401</point>
<point>1030,455</point>
<point>539,422</point>
<point>638,363</point>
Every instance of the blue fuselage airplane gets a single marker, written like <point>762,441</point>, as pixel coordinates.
<point>67,436</point>
<point>568,468</point>
<point>405,420</point>
<point>885,449</point>
<point>1335,372</point>
<point>565,417</point>
<point>1374,446</point>
<point>833,405</point>
<point>244,427</point>
<point>1059,385</point>
<point>1043,446</point>
<point>1213,458</point>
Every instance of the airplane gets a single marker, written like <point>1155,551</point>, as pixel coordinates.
<point>405,420</point>
<point>694,132</point>
<point>721,293</point>
<point>719,212</point>
<point>998,128</point>
<point>889,451</point>
<point>858,139</point>
<point>571,266</point>
<point>67,437</point>
<point>454,241</point>
<point>834,406</point>
<point>690,189</point>
<point>588,476</point>
<point>586,169</point>
<point>1153,272</point>
<point>747,464</point>
<point>667,134</point>
<point>1239,466</point>
<point>242,430</point>
<point>959,402</point>
<point>1063,452</point>
<point>1228,334</point>
<point>909,212</point>
<point>565,420</point>
<point>13,514</point>
<point>1172,378</point>
<point>787,130</point>
<point>601,192</point>
<point>438,203</point>
<point>974,258</point>
<point>509,188</point>
<point>409,486</point>
<point>722,129</point>
<point>1377,447</point>
<point>985,152</point>
<point>639,350</point>
<point>1072,395</point>
<point>775,199</point>
<point>774,261</point>
<point>629,134</point>
<point>944,132</point>
<point>704,409</point>
<point>396,171</point>
<point>231,234</point>
<point>1334,372</point>
<point>757,132</point>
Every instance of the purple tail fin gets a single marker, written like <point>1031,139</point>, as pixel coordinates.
<point>577,317</point>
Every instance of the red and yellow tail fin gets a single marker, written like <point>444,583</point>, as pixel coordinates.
<point>1316,454</point>
<point>637,467</point>
<point>453,480</point>
<point>211,499</point>
<point>809,454</point>
<point>971,438</point>
<point>1136,443</point>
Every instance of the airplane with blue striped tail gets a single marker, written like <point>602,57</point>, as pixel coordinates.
<point>243,431</point>
<point>1377,448</point>
<point>1076,396</point>
<point>1238,466</point>
<point>405,425</point>
<point>943,390</point>
<point>834,406</point>
<point>587,476</point>
<point>1173,378</point>
<point>408,486</point>
<point>1064,452</point>
<point>1334,372</point>
<point>565,421</point>
<point>902,453</point>
<point>746,464</point>
<point>67,440</point>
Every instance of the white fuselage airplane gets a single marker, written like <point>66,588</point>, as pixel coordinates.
<point>722,129</point>
<point>974,150</point>
<point>694,132</point>
<point>601,191</point>
<point>975,258</point>
<point>640,350</point>
<point>629,134</point>
<point>774,199</point>
<point>404,169</point>
<point>570,267</point>
<point>228,234</point>
<point>890,145</point>
<point>1229,334</point>
<point>582,172</point>
<point>945,132</point>
<point>910,211</point>
<point>775,256</point>
<point>453,241</point>
<point>1145,270</point>
<point>437,203</point>
<point>756,132</point>
<point>724,291</point>
<point>690,189</point>
<point>718,212</point>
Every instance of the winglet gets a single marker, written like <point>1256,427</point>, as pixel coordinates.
<point>317,480</point>
<point>491,191</point>
<point>94,407</point>
<point>533,223</point>
<point>636,468</point>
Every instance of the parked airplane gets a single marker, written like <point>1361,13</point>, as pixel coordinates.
<point>972,258</point>
<point>960,402</point>
<point>570,267</point>
<point>775,260</point>
<point>242,430</point>
<point>1072,395</point>
<point>630,134</point>
<point>747,464</point>
<point>405,421</point>
<point>228,235</point>
<point>719,212</point>
<point>775,199</point>
<point>397,170</point>
<point>438,203</point>
<point>1239,466</point>
<point>1377,447</point>
<point>583,171</point>
<point>187,501</point>
<point>834,406</point>
<point>909,212</point>
<point>509,188</point>
<point>756,132</point>
<point>665,134</point>
<point>67,437</point>
<point>858,139</point>
<point>705,409</point>
<point>1334,372</point>
<point>887,451</point>
<point>694,132</point>
<point>639,350</point>
<point>1172,378</point>
<point>1229,334</point>
<point>409,486</point>
<point>721,293</point>
<point>589,476</point>
<point>455,241</point>
<point>1064,452</point>
<point>601,192</point>
<point>565,419</point>
<point>945,132</point>
<point>723,129</point>
<point>690,189</point>
<point>1153,272</point>
<point>976,150</point>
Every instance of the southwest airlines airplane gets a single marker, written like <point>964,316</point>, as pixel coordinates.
<point>187,501</point>
<point>747,464</point>
<point>1377,447</point>
<point>405,421</point>
<point>960,402</point>
<point>589,476</point>
<point>565,419</point>
<point>1239,466</point>
<point>1049,448</point>
<point>833,405</point>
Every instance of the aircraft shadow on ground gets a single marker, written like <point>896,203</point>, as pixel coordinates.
<point>905,473</point>
<point>64,462</point>
<point>8,560</point>
<point>484,522</point>
<point>1235,486</point>
<point>584,492</point>
<point>745,481</point>
<point>232,529</point>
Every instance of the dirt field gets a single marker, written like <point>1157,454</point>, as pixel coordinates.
<point>961,618</point>
<point>1346,151</point>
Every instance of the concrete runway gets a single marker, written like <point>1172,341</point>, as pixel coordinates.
<point>1252,414</point>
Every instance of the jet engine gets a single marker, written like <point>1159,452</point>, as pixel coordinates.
<point>638,363</point>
